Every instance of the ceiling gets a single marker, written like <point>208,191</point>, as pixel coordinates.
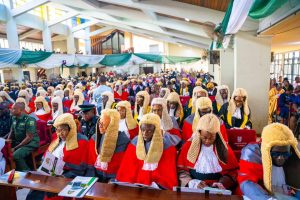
<point>220,5</point>
<point>285,34</point>
<point>22,30</point>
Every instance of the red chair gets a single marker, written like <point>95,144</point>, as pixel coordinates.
<point>44,133</point>
<point>239,138</point>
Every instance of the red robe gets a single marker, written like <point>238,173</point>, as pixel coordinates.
<point>187,129</point>
<point>133,132</point>
<point>123,97</point>
<point>229,169</point>
<point>114,164</point>
<point>165,175</point>
<point>44,117</point>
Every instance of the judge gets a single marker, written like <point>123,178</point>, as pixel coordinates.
<point>141,106</point>
<point>107,147</point>
<point>222,97</point>
<point>108,101</point>
<point>119,93</point>
<point>127,123</point>
<point>149,159</point>
<point>206,159</point>
<point>164,93</point>
<point>169,126</point>
<point>42,109</point>
<point>236,113</point>
<point>78,99</point>
<point>57,107</point>
<point>175,108</point>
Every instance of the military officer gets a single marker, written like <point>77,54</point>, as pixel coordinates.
<point>89,119</point>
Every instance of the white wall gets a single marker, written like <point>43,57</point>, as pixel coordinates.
<point>251,71</point>
<point>227,68</point>
<point>60,45</point>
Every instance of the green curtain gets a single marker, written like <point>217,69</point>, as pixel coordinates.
<point>264,8</point>
<point>29,57</point>
<point>115,59</point>
<point>150,57</point>
<point>178,59</point>
<point>80,67</point>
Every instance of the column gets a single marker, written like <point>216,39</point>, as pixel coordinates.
<point>88,49</point>
<point>252,59</point>
<point>13,42</point>
<point>71,44</point>
<point>47,38</point>
<point>227,68</point>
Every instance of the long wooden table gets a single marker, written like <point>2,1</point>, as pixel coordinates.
<point>98,191</point>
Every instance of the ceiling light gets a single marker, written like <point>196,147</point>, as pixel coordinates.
<point>187,19</point>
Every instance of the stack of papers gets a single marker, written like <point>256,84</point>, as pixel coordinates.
<point>78,187</point>
<point>209,189</point>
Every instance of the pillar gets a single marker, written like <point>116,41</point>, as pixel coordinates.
<point>88,48</point>
<point>47,38</point>
<point>252,59</point>
<point>13,42</point>
<point>227,68</point>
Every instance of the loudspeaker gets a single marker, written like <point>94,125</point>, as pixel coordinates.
<point>214,57</point>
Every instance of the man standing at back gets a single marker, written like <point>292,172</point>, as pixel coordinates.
<point>97,93</point>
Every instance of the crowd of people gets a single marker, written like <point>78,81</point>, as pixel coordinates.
<point>161,130</point>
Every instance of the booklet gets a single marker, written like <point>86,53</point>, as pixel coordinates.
<point>51,165</point>
<point>78,187</point>
<point>209,189</point>
<point>137,185</point>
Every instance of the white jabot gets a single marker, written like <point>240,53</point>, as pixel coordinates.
<point>140,113</point>
<point>40,112</point>
<point>123,127</point>
<point>172,112</point>
<point>59,150</point>
<point>278,179</point>
<point>237,114</point>
<point>185,93</point>
<point>207,161</point>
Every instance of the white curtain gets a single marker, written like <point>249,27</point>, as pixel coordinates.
<point>9,57</point>
<point>239,13</point>
<point>56,60</point>
<point>88,59</point>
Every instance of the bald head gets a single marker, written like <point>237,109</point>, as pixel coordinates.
<point>17,109</point>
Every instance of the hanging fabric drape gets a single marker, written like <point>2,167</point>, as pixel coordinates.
<point>237,13</point>
<point>115,59</point>
<point>56,60</point>
<point>88,59</point>
<point>150,57</point>
<point>29,57</point>
<point>9,57</point>
<point>178,59</point>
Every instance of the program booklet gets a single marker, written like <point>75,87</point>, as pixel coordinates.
<point>51,166</point>
<point>78,187</point>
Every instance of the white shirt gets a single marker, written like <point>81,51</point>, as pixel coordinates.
<point>207,161</point>
<point>278,179</point>
<point>59,150</point>
<point>40,112</point>
<point>123,127</point>
<point>185,93</point>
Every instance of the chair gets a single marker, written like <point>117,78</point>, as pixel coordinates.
<point>239,138</point>
<point>44,132</point>
<point>7,154</point>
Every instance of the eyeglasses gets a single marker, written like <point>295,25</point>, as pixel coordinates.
<point>283,154</point>
<point>61,130</point>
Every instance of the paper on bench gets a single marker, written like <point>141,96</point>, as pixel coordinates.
<point>137,185</point>
<point>210,189</point>
<point>51,165</point>
<point>85,183</point>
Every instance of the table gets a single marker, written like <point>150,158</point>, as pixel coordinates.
<point>102,191</point>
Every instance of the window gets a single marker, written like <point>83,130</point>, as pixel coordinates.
<point>286,65</point>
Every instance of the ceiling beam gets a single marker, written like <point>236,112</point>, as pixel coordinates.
<point>152,15</point>
<point>182,10</point>
<point>58,38</point>
<point>27,7</point>
<point>28,33</point>
<point>101,30</point>
<point>84,25</point>
<point>63,18</point>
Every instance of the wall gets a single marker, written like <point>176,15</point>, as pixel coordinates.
<point>61,45</point>
<point>227,68</point>
<point>252,59</point>
<point>142,44</point>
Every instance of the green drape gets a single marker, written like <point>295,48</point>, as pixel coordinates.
<point>115,59</point>
<point>79,66</point>
<point>166,59</point>
<point>150,57</point>
<point>29,57</point>
<point>264,8</point>
<point>178,59</point>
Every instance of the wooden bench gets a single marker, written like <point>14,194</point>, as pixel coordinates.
<point>99,190</point>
